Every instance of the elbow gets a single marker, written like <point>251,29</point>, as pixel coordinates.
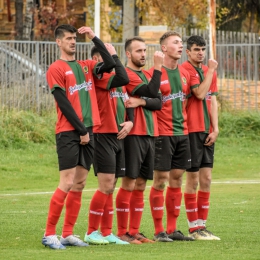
<point>125,81</point>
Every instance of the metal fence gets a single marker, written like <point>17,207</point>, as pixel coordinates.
<point>23,66</point>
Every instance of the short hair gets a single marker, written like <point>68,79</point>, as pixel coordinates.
<point>168,34</point>
<point>195,39</point>
<point>61,29</point>
<point>94,51</point>
<point>129,41</point>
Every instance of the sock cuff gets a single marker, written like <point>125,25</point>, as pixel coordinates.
<point>138,193</point>
<point>173,190</point>
<point>203,194</point>
<point>75,194</point>
<point>190,195</point>
<point>159,192</point>
<point>60,193</point>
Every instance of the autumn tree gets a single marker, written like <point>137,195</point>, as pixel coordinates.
<point>186,13</point>
<point>240,15</point>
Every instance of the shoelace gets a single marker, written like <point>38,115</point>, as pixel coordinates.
<point>164,235</point>
<point>200,232</point>
<point>207,231</point>
<point>54,240</point>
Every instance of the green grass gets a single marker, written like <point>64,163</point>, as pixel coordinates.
<point>29,175</point>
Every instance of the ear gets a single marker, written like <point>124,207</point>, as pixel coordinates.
<point>163,48</point>
<point>187,52</point>
<point>95,58</point>
<point>58,41</point>
<point>128,54</point>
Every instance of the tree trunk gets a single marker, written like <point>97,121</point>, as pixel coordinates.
<point>18,19</point>
<point>28,20</point>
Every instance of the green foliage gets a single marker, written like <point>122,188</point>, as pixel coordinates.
<point>18,128</point>
<point>242,124</point>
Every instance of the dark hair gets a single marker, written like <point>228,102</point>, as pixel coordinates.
<point>61,29</point>
<point>195,39</point>
<point>168,34</point>
<point>129,41</point>
<point>94,50</point>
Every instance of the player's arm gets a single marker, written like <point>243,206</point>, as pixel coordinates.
<point>203,88</point>
<point>152,88</point>
<point>212,137</point>
<point>154,103</point>
<point>68,111</point>
<point>108,62</point>
<point>148,103</point>
<point>120,78</point>
<point>127,125</point>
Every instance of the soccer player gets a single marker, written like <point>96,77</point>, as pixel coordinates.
<point>72,85</point>
<point>139,144</point>
<point>172,147</point>
<point>109,156</point>
<point>202,113</point>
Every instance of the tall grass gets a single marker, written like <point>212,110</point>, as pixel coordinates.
<point>240,124</point>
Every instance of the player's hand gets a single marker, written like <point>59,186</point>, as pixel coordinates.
<point>88,31</point>
<point>158,60</point>
<point>211,139</point>
<point>84,139</point>
<point>111,49</point>
<point>212,64</point>
<point>127,126</point>
<point>133,102</point>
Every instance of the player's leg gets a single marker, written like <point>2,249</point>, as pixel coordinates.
<point>203,201</point>
<point>180,162</point>
<point>65,141</point>
<point>73,201</point>
<point>132,166</point>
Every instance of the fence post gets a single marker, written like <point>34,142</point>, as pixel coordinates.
<point>37,75</point>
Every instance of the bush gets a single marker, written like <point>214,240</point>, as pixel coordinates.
<point>19,128</point>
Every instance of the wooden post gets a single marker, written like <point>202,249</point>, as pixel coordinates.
<point>212,28</point>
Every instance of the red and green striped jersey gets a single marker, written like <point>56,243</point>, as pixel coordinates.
<point>145,121</point>
<point>175,88</point>
<point>111,105</point>
<point>76,79</point>
<point>199,110</point>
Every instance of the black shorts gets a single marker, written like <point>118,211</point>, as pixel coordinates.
<point>109,155</point>
<point>139,156</point>
<point>71,153</point>
<point>172,152</point>
<point>201,156</point>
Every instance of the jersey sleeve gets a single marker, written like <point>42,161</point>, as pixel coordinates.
<point>55,78</point>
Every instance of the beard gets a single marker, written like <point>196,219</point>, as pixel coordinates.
<point>138,63</point>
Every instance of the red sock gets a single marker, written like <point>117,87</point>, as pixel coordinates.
<point>107,218</point>
<point>191,210</point>
<point>203,208</point>
<point>173,206</point>
<point>156,205</point>
<point>96,209</point>
<point>122,210</point>
<point>136,211</point>
<point>73,204</point>
<point>55,209</point>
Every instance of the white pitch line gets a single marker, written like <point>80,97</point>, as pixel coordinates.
<point>92,190</point>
